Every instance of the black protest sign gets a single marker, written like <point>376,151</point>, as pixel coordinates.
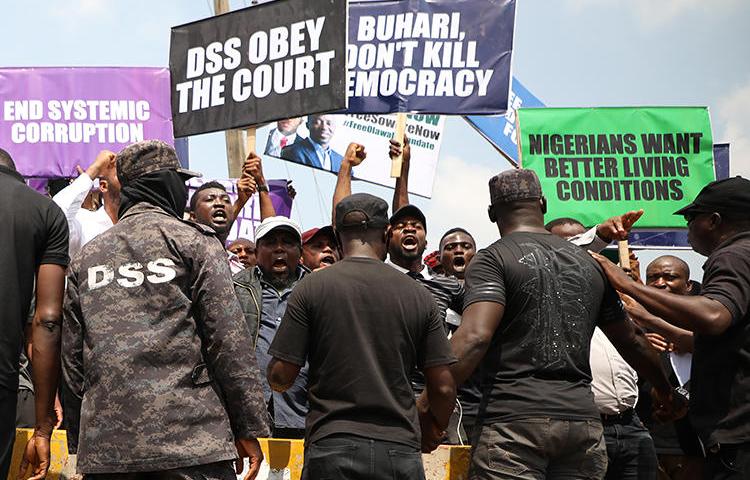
<point>259,64</point>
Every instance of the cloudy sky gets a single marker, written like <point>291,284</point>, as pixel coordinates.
<point>567,52</point>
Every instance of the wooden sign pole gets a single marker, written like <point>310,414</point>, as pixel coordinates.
<point>399,137</point>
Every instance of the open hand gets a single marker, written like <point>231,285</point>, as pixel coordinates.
<point>618,227</point>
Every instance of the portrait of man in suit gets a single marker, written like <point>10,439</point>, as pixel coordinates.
<point>287,132</point>
<point>315,150</point>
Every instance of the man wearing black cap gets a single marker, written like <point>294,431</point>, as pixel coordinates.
<point>718,223</point>
<point>319,248</point>
<point>154,342</point>
<point>363,327</point>
<point>532,302</point>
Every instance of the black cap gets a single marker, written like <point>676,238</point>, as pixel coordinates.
<point>729,196</point>
<point>374,209</point>
<point>409,211</point>
<point>146,157</point>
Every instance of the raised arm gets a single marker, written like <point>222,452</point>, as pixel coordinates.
<point>401,192</point>
<point>253,180</point>
<point>355,154</point>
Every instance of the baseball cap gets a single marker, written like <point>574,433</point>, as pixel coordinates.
<point>729,196</point>
<point>514,185</point>
<point>146,157</point>
<point>272,223</point>
<point>374,210</point>
<point>313,232</point>
<point>409,211</point>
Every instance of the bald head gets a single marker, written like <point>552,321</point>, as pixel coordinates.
<point>669,273</point>
<point>6,160</point>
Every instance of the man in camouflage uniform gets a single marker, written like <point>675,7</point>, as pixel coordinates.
<point>154,340</point>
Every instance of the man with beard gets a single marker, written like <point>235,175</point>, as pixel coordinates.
<point>263,292</point>
<point>457,249</point>
<point>319,248</point>
<point>153,339</point>
<point>245,251</point>
<point>718,222</point>
<point>283,135</point>
<point>315,150</point>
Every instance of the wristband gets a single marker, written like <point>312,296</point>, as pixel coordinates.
<point>263,187</point>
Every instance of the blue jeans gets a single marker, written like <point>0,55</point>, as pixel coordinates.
<point>630,450</point>
<point>349,457</point>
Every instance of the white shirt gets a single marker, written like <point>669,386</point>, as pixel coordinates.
<point>235,265</point>
<point>590,240</point>
<point>273,146</point>
<point>83,224</point>
<point>614,383</point>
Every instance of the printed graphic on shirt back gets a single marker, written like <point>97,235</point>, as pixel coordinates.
<point>559,319</point>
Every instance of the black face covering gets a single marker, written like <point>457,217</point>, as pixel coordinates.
<point>166,189</point>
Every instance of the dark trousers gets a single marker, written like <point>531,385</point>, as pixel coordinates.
<point>25,409</point>
<point>8,399</point>
<point>539,448</point>
<point>630,450</point>
<point>209,471</point>
<point>730,462</point>
<point>349,457</point>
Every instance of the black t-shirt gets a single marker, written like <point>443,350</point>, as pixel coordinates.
<point>33,231</point>
<point>362,325</point>
<point>554,295</point>
<point>720,376</point>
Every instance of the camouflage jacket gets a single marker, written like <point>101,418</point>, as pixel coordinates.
<point>155,343</point>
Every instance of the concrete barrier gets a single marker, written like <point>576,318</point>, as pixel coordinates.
<point>283,459</point>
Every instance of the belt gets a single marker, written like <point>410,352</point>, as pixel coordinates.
<point>623,417</point>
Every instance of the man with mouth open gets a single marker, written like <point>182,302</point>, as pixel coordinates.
<point>457,249</point>
<point>319,248</point>
<point>278,252</point>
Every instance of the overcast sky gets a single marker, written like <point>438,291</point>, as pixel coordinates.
<point>567,52</point>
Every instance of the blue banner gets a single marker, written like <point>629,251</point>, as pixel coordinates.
<point>430,56</point>
<point>500,131</point>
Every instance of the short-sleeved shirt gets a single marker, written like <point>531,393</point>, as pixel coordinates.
<point>33,231</point>
<point>362,326</point>
<point>554,295</point>
<point>720,377</point>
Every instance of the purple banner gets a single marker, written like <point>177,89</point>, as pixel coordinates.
<point>249,217</point>
<point>52,119</point>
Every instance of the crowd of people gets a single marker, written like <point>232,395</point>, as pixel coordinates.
<point>166,351</point>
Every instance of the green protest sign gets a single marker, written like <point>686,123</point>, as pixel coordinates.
<point>595,163</point>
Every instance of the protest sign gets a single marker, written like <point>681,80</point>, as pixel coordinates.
<point>258,64</point>
<point>430,56</point>
<point>500,130</point>
<point>302,138</point>
<point>53,119</point>
<point>595,163</point>
<point>678,238</point>
<point>249,217</point>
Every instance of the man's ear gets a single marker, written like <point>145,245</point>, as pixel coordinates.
<point>690,285</point>
<point>192,216</point>
<point>715,220</point>
<point>492,214</point>
<point>103,185</point>
<point>543,201</point>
